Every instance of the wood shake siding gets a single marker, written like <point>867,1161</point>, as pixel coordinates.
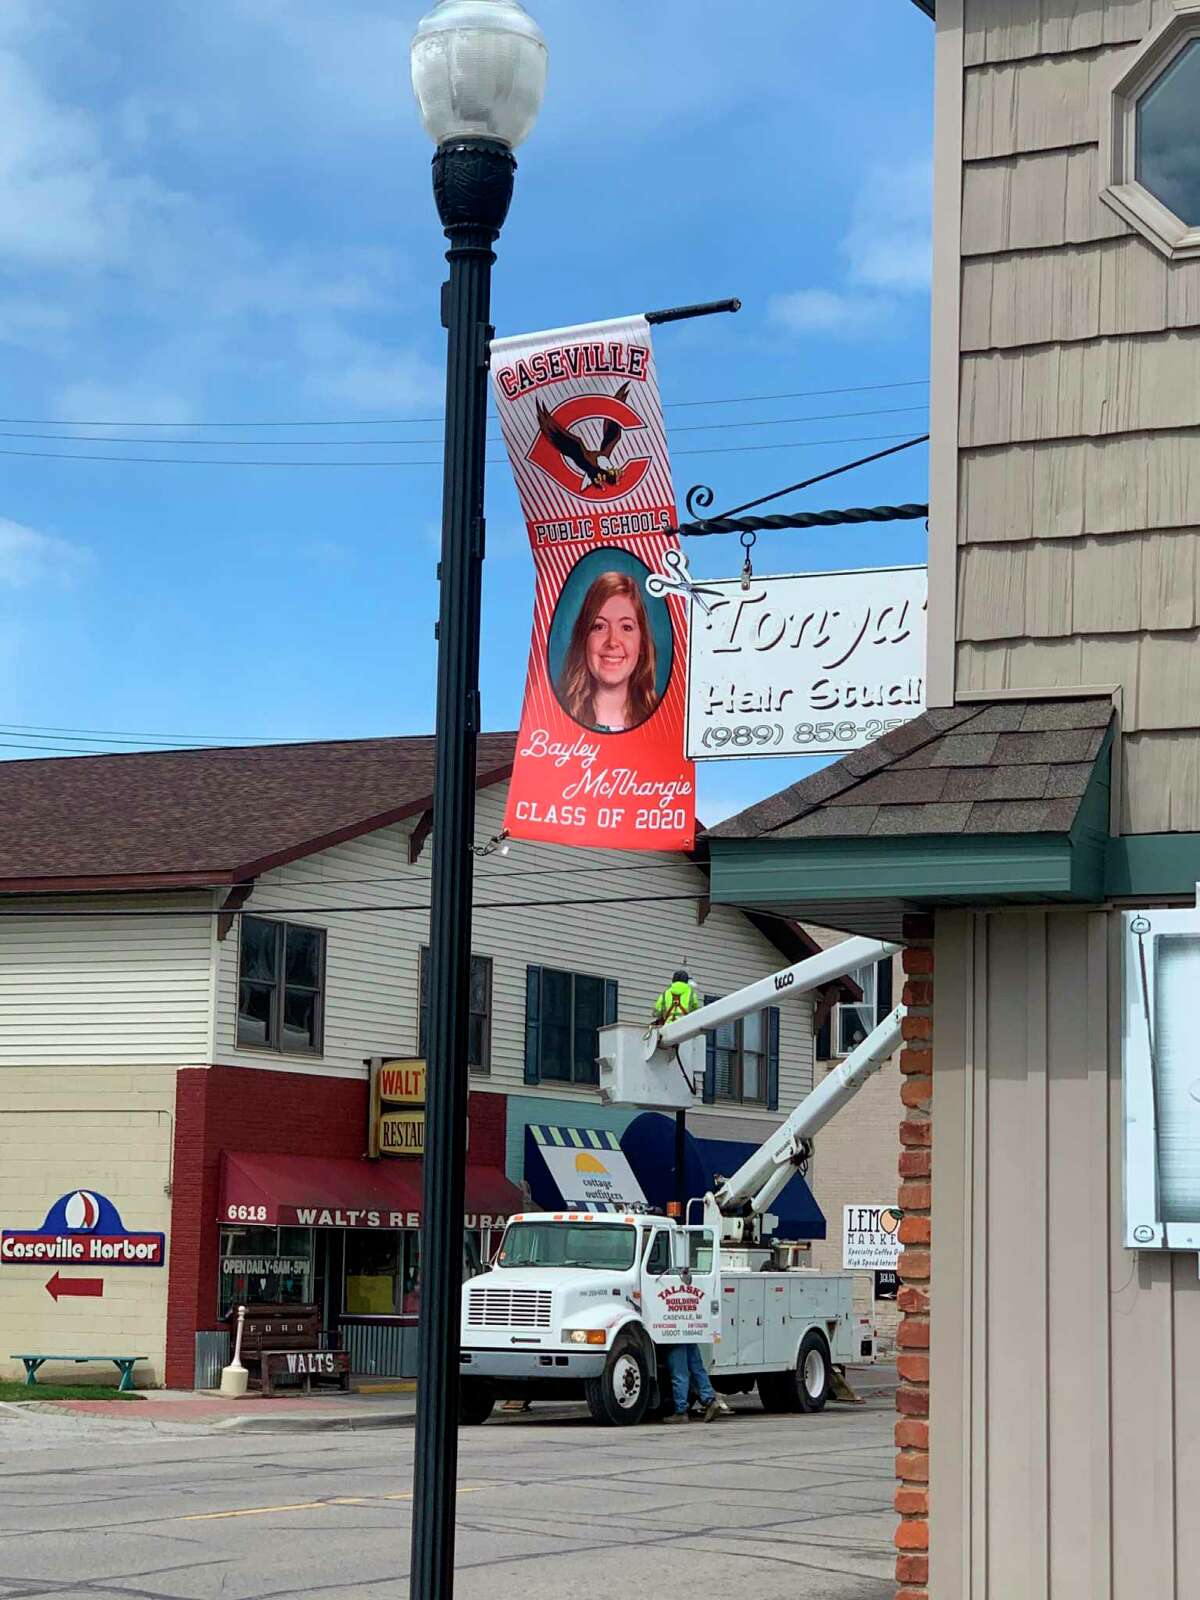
<point>1079,402</point>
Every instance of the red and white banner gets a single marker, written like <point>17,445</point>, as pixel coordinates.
<point>600,753</point>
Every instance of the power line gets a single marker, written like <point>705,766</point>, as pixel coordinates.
<point>314,911</point>
<point>390,422</point>
<point>379,444</point>
<point>189,461</point>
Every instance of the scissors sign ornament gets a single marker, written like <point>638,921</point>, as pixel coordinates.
<point>678,580</point>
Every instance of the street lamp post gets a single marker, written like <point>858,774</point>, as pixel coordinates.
<point>478,71</point>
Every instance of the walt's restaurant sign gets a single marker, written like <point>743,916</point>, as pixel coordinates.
<point>397,1108</point>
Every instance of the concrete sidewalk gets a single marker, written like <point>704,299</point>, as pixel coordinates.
<point>325,1412</point>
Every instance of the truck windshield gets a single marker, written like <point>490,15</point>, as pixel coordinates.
<point>568,1244</point>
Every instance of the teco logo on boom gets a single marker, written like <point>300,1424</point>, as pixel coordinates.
<point>784,980</point>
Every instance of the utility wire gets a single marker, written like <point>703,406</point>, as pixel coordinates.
<point>190,461</point>
<point>390,422</point>
<point>378,444</point>
<point>313,911</point>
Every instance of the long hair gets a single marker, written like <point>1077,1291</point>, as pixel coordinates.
<point>576,688</point>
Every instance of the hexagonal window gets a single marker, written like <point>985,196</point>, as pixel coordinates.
<point>1151,155</point>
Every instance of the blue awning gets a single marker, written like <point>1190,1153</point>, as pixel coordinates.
<point>649,1143</point>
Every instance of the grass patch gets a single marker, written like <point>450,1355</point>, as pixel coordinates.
<point>63,1391</point>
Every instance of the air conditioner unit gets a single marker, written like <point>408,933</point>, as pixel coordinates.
<point>851,1025</point>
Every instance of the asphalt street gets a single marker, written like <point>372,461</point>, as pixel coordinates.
<point>754,1505</point>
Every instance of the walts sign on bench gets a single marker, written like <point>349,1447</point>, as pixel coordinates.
<point>811,664</point>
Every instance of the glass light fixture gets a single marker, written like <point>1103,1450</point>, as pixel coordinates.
<point>479,71</point>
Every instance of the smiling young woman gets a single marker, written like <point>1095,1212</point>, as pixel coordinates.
<point>608,677</point>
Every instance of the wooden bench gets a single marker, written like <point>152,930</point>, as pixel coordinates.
<point>123,1364</point>
<point>285,1341</point>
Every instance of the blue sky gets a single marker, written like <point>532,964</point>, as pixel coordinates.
<point>221,214</point>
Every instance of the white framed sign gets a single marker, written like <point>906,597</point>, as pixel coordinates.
<point>1161,1073</point>
<point>870,1238</point>
<point>815,663</point>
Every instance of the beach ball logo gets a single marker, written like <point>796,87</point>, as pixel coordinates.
<point>82,1210</point>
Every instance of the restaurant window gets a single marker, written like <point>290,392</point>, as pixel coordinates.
<point>742,1061</point>
<point>265,1266</point>
<point>564,1012</point>
<point>281,986</point>
<point>479,1016</point>
<point>383,1273</point>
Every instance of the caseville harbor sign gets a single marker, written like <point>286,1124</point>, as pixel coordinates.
<point>814,663</point>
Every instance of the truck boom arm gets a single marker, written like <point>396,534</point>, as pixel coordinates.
<point>763,1175</point>
<point>789,984</point>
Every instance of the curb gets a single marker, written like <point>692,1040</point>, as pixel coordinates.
<point>312,1423</point>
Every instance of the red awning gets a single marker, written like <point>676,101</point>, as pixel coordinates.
<point>337,1192</point>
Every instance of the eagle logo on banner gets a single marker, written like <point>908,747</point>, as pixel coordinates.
<point>564,455</point>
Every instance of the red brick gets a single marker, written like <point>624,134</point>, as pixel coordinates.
<point>912,1434</point>
<point>913,1334</point>
<point>914,1264</point>
<point>913,1367</point>
<point>911,1401</point>
<point>915,1163</point>
<point>912,1594</point>
<point>917,963</point>
<point>914,1059</point>
<point>914,1133</point>
<point>911,1501</point>
<point>914,1230</point>
<point>912,1299</point>
<point>916,1091</point>
<point>916,1026</point>
<point>917,925</point>
<point>917,992</point>
<point>915,1197</point>
<point>912,1569</point>
<point>912,1534</point>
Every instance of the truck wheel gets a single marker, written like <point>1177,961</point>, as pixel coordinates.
<point>475,1401</point>
<point>812,1372</point>
<point>777,1391</point>
<point>620,1396</point>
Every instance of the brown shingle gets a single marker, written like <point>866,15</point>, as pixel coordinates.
<point>1052,747</point>
<point>963,750</point>
<point>894,788</point>
<point>1044,715</point>
<point>210,815</point>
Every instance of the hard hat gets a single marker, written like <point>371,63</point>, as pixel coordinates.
<point>681,976</point>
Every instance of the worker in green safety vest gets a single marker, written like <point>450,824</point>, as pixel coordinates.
<point>676,1000</point>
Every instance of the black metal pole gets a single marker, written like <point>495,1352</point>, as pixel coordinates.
<point>681,1197</point>
<point>472,183</point>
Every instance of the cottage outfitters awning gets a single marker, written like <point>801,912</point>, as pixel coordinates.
<point>583,1169</point>
<point>335,1192</point>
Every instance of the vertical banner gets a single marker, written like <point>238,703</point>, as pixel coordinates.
<point>599,757</point>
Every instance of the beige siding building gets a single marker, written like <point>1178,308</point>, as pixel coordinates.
<point>1027,832</point>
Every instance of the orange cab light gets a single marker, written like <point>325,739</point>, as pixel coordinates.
<point>596,1336</point>
<point>674,1209</point>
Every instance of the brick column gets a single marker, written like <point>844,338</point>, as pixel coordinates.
<point>912,1339</point>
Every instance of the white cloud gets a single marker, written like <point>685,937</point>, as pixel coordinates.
<point>888,244</point>
<point>886,249</point>
<point>125,403</point>
<point>842,315</point>
<point>346,369</point>
<point>28,557</point>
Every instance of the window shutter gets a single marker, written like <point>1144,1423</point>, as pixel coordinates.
<point>772,1058</point>
<point>610,1000</point>
<point>824,1045</point>
<point>710,1060</point>
<point>883,989</point>
<point>533,1023</point>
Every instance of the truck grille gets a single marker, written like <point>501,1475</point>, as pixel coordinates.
<point>508,1308</point>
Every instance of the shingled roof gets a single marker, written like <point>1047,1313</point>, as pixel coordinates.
<point>188,817</point>
<point>1004,767</point>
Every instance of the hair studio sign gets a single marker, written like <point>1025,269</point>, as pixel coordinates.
<point>811,664</point>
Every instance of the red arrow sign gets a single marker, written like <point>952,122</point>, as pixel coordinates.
<point>69,1286</point>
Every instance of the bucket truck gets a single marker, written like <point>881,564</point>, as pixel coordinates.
<point>583,1303</point>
